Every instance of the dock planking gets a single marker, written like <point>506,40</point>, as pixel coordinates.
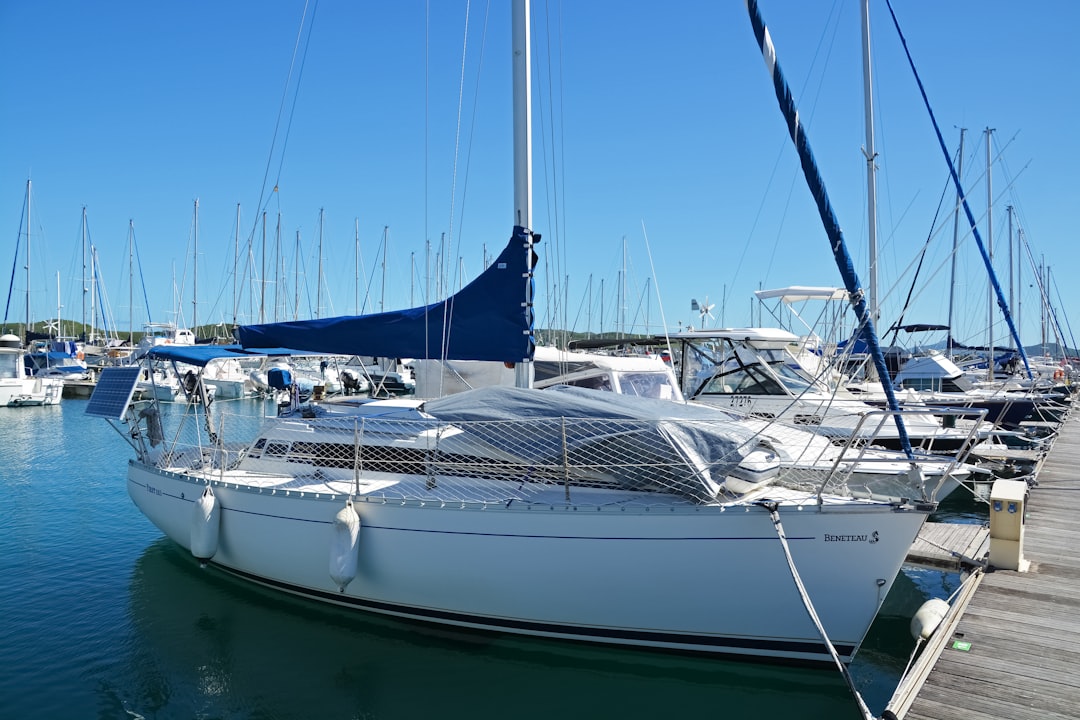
<point>1023,629</point>
<point>949,545</point>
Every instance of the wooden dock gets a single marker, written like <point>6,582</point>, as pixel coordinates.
<point>1010,648</point>
<point>949,546</point>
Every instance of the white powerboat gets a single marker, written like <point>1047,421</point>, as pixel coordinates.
<point>17,387</point>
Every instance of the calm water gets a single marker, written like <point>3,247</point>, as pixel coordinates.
<point>103,617</point>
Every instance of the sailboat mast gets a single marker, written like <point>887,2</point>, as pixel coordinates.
<point>385,241</point>
<point>318,278</point>
<point>1042,301</point>
<point>279,270</point>
<point>522,73</point>
<point>195,276</point>
<point>90,336</point>
<point>262,274</point>
<point>622,292</point>
<point>521,49</point>
<point>589,323</point>
<point>84,278</point>
<point>1019,274</point>
<point>1012,298</point>
<point>235,262</point>
<point>296,278</point>
<point>871,168</point>
<point>131,282</point>
<point>26,327</point>
<point>356,267</point>
<point>990,252</point>
<point>828,217</point>
<point>955,243</point>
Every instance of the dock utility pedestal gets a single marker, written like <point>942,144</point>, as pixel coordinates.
<point>1007,505</point>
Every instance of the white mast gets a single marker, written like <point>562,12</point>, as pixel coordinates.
<point>990,252</point>
<point>522,72</point>
<point>385,242</point>
<point>1012,299</point>
<point>262,275</point>
<point>26,327</point>
<point>89,337</point>
<point>86,336</point>
<point>195,277</point>
<point>871,169</point>
<point>318,281</point>
<point>280,301</point>
<point>955,242</point>
<point>131,282</point>
<point>59,330</point>
<point>356,267</point>
<point>235,262</point>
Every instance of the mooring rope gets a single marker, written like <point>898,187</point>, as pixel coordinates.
<point>772,506</point>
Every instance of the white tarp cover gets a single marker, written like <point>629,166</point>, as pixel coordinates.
<point>688,448</point>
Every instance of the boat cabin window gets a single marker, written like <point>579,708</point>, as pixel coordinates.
<point>647,384</point>
<point>923,384</point>
<point>594,382</point>
<point>956,384</point>
<point>9,365</point>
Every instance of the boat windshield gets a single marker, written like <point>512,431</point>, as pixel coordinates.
<point>734,379</point>
<point>657,385</point>
<point>796,379</point>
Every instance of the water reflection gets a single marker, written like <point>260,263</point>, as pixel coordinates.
<point>208,645</point>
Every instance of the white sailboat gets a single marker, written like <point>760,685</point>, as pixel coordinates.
<point>18,388</point>
<point>578,515</point>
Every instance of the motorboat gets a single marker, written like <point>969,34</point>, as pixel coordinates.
<point>18,388</point>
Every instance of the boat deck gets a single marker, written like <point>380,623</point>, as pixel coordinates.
<point>1011,647</point>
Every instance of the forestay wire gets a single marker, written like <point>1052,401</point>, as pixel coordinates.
<point>828,217</point>
<point>963,199</point>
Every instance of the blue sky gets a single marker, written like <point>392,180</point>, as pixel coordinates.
<point>658,147</point>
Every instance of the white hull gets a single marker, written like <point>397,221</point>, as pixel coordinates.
<point>163,391</point>
<point>20,392</point>
<point>675,576</point>
<point>225,389</point>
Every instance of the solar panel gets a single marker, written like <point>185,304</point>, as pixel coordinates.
<point>113,392</point>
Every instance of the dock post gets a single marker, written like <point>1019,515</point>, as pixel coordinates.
<point>1007,505</point>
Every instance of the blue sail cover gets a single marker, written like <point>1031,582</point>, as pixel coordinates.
<point>491,318</point>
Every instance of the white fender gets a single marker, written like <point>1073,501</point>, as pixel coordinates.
<point>205,524</point>
<point>343,546</point>
<point>927,618</point>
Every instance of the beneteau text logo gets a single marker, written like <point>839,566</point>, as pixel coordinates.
<point>871,538</point>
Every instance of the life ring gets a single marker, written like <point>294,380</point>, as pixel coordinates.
<point>80,355</point>
<point>1059,374</point>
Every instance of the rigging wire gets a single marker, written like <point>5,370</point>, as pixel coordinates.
<point>967,209</point>
<point>299,54</point>
<point>918,268</point>
<point>781,150</point>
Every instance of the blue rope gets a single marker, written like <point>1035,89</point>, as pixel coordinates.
<point>963,198</point>
<point>828,217</point>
